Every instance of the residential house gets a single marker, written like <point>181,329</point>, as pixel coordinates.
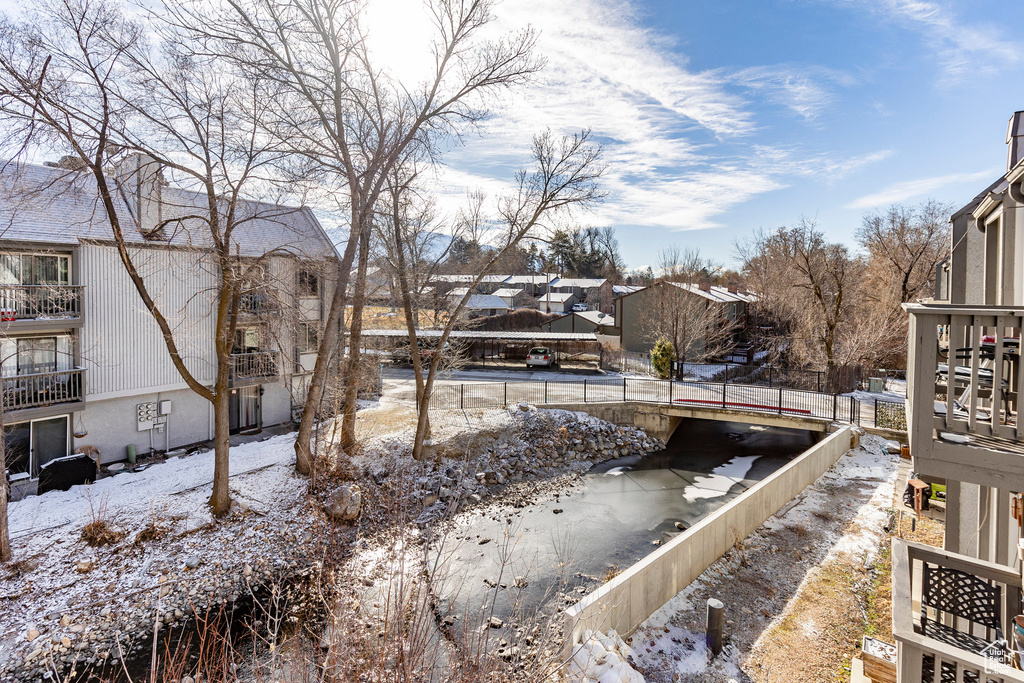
<point>587,290</point>
<point>582,321</point>
<point>634,310</point>
<point>534,285</point>
<point>491,283</point>
<point>480,305</point>
<point>964,377</point>
<point>553,302</point>
<point>83,360</point>
<point>515,298</point>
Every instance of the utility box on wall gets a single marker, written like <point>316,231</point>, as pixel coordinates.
<point>165,407</point>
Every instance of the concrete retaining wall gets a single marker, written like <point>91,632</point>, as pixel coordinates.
<point>631,597</point>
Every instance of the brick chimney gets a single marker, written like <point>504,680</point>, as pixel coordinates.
<point>141,179</point>
<point>1015,140</point>
<point>733,288</point>
<point>704,285</point>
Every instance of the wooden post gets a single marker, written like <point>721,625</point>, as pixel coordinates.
<point>716,622</point>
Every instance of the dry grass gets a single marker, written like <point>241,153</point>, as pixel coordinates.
<point>99,531</point>
<point>383,318</point>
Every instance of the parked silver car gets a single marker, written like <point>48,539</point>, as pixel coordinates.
<point>540,356</point>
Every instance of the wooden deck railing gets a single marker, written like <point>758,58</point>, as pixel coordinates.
<point>257,364</point>
<point>42,389</point>
<point>921,659</point>
<point>27,302</point>
<point>964,371</point>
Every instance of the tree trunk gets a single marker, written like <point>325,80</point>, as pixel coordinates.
<point>324,359</point>
<point>348,417</point>
<point>5,536</point>
<point>220,500</point>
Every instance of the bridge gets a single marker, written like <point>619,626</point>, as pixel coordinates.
<point>658,406</point>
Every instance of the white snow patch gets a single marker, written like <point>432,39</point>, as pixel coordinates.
<point>603,658</point>
<point>721,479</point>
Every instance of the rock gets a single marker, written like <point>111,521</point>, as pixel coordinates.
<point>484,541</point>
<point>495,622</point>
<point>557,511</point>
<point>193,561</point>
<point>346,503</point>
<point>65,641</point>
<point>246,571</point>
<point>84,566</point>
<point>65,620</point>
<point>429,499</point>
<point>31,634</point>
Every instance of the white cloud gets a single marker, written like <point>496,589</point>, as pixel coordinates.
<point>964,48</point>
<point>911,189</point>
<point>679,143</point>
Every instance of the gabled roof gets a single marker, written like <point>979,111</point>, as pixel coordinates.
<point>60,206</point>
<point>491,279</point>
<point>596,317</point>
<point>508,291</point>
<point>716,293</point>
<point>553,297</point>
<point>584,282</point>
<point>454,278</point>
<point>457,292</point>
<point>536,279</point>
<point>486,301</point>
<point>619,290</point>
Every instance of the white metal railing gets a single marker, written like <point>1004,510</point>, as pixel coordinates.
<point>921,658</point>
<point>42,389</point>
<point>254,364</point>
<point>27,302</point>
<point>964,371</point>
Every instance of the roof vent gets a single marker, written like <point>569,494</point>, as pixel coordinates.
<point>1015,140</point>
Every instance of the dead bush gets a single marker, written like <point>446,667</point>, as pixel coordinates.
<point>98,531</point>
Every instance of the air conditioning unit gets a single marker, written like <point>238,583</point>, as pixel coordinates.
<point>876,385</point>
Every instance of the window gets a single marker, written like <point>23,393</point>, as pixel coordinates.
<point>34,269</point>
<point>309,338</point>
<point>38,354</point>
<point>247,340</point>
<point>309,283</point>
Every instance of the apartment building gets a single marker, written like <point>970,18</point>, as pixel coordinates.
<point>83,360</point>
<point>954,608</point>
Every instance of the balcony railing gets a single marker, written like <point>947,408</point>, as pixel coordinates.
<point>35,302</point>
<point>42,389</point>
<point>922,658</point>
<point>964,372</point>
<point>257,302</point>
<point>254,365</point>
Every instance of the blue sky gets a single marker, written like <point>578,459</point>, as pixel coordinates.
<point>719,118</point>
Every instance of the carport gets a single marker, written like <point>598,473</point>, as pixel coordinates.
<point>502,348</point>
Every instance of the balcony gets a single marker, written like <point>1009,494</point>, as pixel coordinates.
<point>257,302</point>
<point>964,372</point>
<point>40,303</point>
<point>42,389</point>
<point>254,366</point>
<point>949,613</point>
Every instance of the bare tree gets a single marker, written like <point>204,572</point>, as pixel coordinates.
<point>565,176</point>
<point>352,122</point>
<point>811,288</point>
<point>79,76</point>
<point>904,246</point>
<point>698,328</point>
<point>5,532</point>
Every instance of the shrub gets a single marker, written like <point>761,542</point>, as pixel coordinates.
<point>662,356</point>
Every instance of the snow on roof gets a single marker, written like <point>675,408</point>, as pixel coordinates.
<point>560,297</point>
<point>507,291</point>
<point>585,282</point>
<point>61,206</point>
<point>619,290</point>
<point>454,278</point>
<point>486,301</point>
<point>717,293</point>
<point>495,278</point>
<point>535,279</point>
<point>458,292</point>
<point>489,334</point>
<point>596,317</point>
